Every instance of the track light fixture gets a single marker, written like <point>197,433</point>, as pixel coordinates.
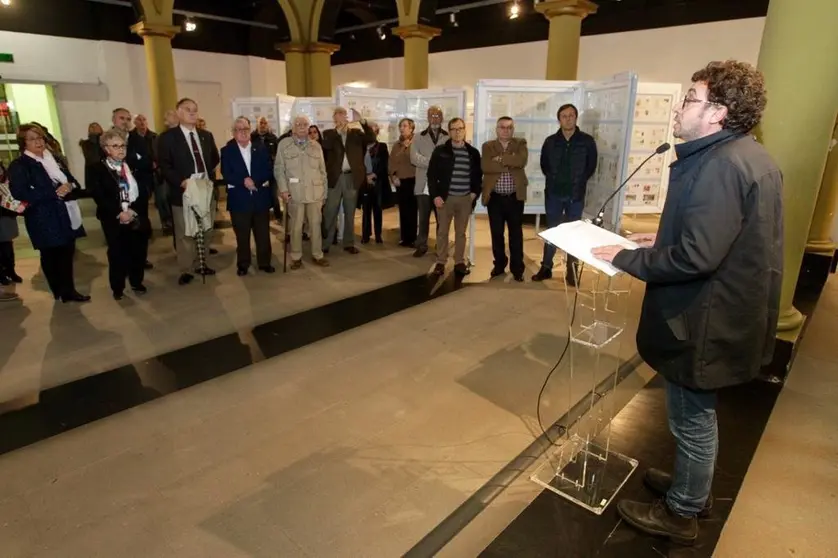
<point>381,34</point>
<point>452,17</point>
<point>190,25</point>
<point>514,10</point>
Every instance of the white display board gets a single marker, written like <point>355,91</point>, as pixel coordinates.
<point>533,105</point>
<point>607,113</point>
<point>276,109</point>
<point>653,122</point>
<point>318,109</point>
<point>387,106</point>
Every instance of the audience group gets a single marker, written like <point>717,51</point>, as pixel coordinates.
<point>312,181</point>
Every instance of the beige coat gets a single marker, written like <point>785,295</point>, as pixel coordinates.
<point>301,170</point>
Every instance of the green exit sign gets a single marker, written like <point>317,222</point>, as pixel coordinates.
<point>7,57</point>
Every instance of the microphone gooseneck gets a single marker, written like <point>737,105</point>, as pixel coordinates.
<point>600,215</point>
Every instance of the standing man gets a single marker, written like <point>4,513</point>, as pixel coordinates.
<point>301,178</point>
<point>454,182</point>
<point>263,135</point>
<point>504,193</point>
<point>160,198</point>
<point>421,150</point>
<point>713,275</point>
<point>139,159</point>
<point>568,160</point>
<point>246,169</point>
<point>344,148</point>
<point>186,152</point>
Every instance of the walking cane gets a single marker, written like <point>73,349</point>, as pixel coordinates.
<point>285,239</point>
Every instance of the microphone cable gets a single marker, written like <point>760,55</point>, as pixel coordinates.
<point>561,358</point>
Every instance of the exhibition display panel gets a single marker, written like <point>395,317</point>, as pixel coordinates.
<point>276,109</point>
<point>580,465</point>
<point>387,106</point>
<point>319,110</point>
<point>606,111</point>
<point>646,192</point>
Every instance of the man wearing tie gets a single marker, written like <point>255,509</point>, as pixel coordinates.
<point>186,152</point>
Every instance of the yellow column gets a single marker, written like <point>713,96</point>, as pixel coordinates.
<point>799,57</point>
<point>320,69</point>
<point>160,65</point>
<point>820,233</point>
<point>565,18</point>
<point>416,41</point>
<point>296,74</point>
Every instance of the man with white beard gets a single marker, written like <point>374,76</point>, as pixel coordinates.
<point>420,155</point>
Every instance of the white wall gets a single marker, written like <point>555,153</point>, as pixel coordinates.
<point>667,55</point>
<point>94,77</point>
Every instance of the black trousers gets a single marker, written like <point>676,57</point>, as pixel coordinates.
<point>507,212</point>
<point>7,258</point>
<point>57,265</point>
<point>127,253</point>
<point>259,223</point>
<point>408,211</point>
<point>370,214</point>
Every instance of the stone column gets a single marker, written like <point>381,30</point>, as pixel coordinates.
<point>820,232</point>
<point>160,65</point>
<point>296,74</point>
<point>416,41</point>
<point>565,18</point>
<point>799,57</point>
<point>320,69</point>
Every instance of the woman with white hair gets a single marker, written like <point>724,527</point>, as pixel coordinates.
<point>122,208</point>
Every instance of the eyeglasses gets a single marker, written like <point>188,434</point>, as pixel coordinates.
<point>688,100</point>
<point>457,129</point>
<point>117,146</point>
<point>36,138</point>
<point>242,129</point>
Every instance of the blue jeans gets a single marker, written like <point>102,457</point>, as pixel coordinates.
<point>692,421</point>
<point>559,210</point>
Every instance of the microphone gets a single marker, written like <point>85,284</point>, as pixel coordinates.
<point>600,215</point>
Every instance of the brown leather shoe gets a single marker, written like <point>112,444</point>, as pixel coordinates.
<point>657,519</point>
<point>439,270</point>
<point>659,482</point>
<point>352,250</point>
<point>296,264</point>
<point>322,262</point>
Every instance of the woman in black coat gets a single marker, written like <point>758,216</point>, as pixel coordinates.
<point>122,208</point>
<point>376,194</point>
<point>52,216</point>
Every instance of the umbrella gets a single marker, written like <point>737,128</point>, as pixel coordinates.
<point>199,243</point>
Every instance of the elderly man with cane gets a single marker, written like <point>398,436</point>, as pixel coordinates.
<point>300,172</point>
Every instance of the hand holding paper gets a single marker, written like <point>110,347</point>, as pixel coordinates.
<point>585,240</point>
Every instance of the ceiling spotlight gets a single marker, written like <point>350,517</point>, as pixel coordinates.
<point>452,17</point>
<point>6,2</point>
<point>381,34</point>
<point>514,11</point>
<point>190,25</point>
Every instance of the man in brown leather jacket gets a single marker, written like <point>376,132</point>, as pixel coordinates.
<point>344,148</point>
<point>504,193</point>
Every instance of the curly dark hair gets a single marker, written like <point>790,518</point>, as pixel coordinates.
<point>740,88</point>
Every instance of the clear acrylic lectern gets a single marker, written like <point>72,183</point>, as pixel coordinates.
<point>581,465</point>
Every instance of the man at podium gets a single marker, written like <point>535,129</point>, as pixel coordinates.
<point>713,275</point>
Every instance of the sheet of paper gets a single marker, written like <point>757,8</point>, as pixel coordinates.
<point>578,238</point>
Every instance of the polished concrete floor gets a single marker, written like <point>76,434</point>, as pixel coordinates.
<point>359,410</point>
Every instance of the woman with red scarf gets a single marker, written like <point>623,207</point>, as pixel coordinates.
<point>122,208</point>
